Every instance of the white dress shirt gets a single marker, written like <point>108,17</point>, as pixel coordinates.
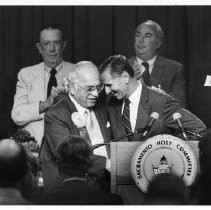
<point>92,127</point>
<point>150,62</point>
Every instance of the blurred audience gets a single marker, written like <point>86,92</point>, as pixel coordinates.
<point>13,166</point>
<point>74,157</point>
<point>203,185</point>
<point>167,189</point>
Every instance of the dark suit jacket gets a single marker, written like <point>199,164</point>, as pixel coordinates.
<point>170,75</point>
<point>77,192</point>
<point>58,126</point>
<point>200,100</point>
<point>154,101</point>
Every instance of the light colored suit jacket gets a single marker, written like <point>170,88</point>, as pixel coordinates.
<point>30,90</point>
<point>154,101</point>
<point>170,75</point>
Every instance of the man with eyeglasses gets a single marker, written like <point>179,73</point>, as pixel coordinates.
<point>78,109</point>
<point>38,85</point>
<point>152,69</point>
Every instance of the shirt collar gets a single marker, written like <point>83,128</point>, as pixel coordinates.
<point>150,62</point>
<point>58,68</point>
<point>136,94</point>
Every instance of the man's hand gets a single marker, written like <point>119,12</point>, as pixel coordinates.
<point>137,71</point>
<point>108,165</point>
<point>55,91</point>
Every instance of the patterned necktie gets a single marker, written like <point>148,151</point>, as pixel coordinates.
<point>52,81</point>
<point>126,116</point>
<point>146,76</point>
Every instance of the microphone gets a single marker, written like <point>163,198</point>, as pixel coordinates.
<point>153,117</point>
<point>177,116</point>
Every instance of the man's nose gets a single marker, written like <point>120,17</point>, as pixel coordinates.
<point>107,90</point>
<point>141,38</point>
<point>95,92</point>
<point>52,47</point>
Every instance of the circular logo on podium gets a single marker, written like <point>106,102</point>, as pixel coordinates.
<point>163,154</point>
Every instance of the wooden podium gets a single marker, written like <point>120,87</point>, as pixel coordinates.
<point>121,180</point>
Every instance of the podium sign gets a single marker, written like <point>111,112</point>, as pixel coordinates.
<point>125,153</point>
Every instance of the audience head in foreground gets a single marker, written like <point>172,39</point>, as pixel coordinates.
<point>13,166</point>
<point>167,189</point>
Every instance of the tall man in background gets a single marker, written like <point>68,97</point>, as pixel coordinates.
<point>153,69</point>
<point>38,85</point>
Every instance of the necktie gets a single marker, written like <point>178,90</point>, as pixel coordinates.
<point>146,76</point>
<point>52,81</point>
<point>95,135</point>
<point>126,116</point>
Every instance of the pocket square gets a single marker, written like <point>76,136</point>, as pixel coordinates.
<point>108,124</point>
<point>208,81</point>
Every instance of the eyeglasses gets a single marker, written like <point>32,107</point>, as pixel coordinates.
<point>47,44</point>
<point>90,89</point>
<point>144,36</point>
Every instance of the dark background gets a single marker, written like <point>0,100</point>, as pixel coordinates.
<point>96,32</point>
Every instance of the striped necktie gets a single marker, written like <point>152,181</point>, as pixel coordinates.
<point>126,116</point>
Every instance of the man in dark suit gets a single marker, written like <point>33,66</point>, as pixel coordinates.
<point>153,69</point>
<point>76,112</point>
<point>131,103</point>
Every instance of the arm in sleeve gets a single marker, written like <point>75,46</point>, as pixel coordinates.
<point>190,121</point>
<point>23,111</point>
<point>178,86</point>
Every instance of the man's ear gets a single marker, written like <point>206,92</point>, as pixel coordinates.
<point>158,43</point>
<point>125,76</point>
<point>38,45</point>
<point>64,44</point>
<point>72,89</point>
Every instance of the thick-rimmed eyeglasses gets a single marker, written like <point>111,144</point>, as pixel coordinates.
<point>90,89</point>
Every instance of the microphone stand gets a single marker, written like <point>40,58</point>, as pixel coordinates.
<point>140,130</point>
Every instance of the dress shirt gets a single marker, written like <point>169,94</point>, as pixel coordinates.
<point>134,103</point>
<point>95,136</point>
<point>150,62</point>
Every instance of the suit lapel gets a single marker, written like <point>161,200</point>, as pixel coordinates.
<point>102,120</point>
<point>143,111</point>
<point>39,82</point>
<point>157,71</point>
<point>72,109</point>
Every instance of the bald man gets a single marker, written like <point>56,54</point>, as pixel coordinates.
<point>84,87</point>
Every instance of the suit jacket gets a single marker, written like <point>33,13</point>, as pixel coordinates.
<point>154,101</point>
<point>58,126</point>
<point>77,192</point>
<point>170,75</point>
<point>30,90</point>
<point>200,100</point>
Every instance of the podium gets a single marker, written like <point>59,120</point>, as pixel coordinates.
<point>121,180</point>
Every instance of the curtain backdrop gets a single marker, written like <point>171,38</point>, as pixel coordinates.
<point>96,32</point>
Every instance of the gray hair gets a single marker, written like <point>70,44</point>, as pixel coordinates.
<point>156,27</point>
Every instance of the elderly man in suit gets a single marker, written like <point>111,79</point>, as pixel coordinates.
<point>38,85</point>
<point>77,113</point>
<point>153,69</point>
<point>131,103</point>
